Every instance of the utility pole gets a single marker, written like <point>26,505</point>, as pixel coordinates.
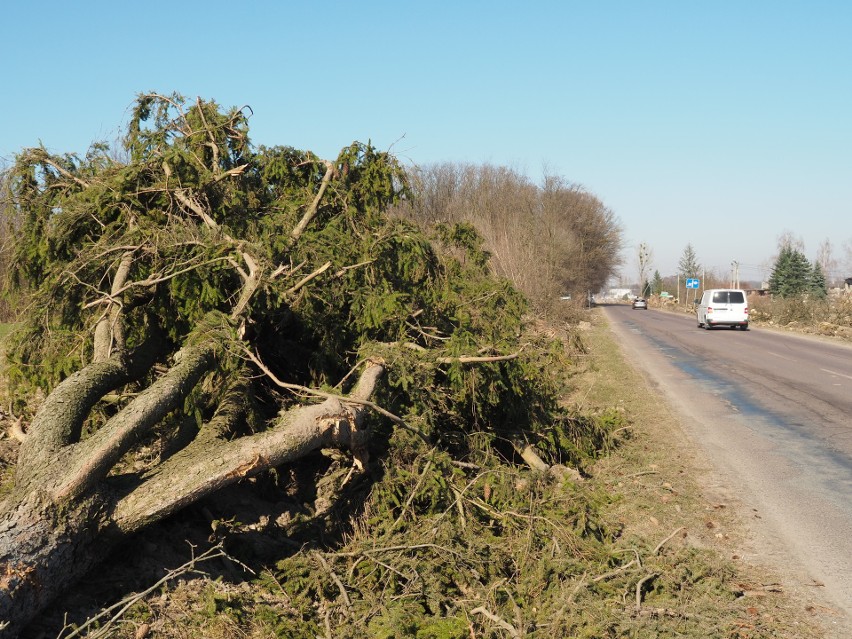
<point>735,274</point>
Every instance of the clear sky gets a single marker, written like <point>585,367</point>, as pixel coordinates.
<point>718,124</point>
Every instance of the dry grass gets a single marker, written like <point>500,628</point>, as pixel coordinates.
<point>831,317</point>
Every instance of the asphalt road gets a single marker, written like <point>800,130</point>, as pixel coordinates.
<point>772,412</point>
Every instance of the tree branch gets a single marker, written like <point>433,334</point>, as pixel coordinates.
<point>505,625</point>
<point>47,159</point>
<point>157,278</point>
<point>296,233</point>
<point>462,359</point>
<point>60,418</point>
<point>322,269</point>
<point>354,398</point>
<point>208,464</point>
<point>91,460</point>
<point>109,330</point>
<point>465,359</point>
<point>196,208</point>
<point>101,624</point>
<point>251,281</point>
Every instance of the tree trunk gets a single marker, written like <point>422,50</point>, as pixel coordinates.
<point>51,536</point>
<point>44,548</point>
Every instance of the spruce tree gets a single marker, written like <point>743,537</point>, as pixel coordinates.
<point>819,288</point>
<point>792,274</point>
<point>688,265</point>
<point>657,283</point>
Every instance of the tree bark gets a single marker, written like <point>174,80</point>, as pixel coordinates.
<point>90,461</point>
<point>60,419</point>
<point>49,540</point>
<point>206,466</point>
<point>109,331</point>
<point>43,549</point>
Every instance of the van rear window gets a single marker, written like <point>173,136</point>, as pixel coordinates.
<point>728,297</point>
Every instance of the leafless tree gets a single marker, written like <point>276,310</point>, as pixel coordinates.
<point>847,259</point>
<point>645,258</point>
<point>788,240</point>
<point>825,258</point>
<point>548,239</point>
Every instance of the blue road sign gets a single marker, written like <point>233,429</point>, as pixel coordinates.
<point>692,282</point>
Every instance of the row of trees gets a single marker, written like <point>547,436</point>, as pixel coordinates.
<point>548,239</point>
<point>792,274</point>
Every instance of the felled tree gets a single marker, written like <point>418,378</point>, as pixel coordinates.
<point>241,307</point>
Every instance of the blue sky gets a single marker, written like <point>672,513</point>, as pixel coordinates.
<point>717,124</point>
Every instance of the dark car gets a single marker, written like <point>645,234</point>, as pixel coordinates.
<point>640,302</point>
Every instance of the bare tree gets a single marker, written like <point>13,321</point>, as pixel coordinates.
<point>547,239</point>
<point>827,262</point>
<point>644,256</point>
<point>789,240</point>
<point>847,259</point>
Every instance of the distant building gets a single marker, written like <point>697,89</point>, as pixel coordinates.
<point>619,293</point>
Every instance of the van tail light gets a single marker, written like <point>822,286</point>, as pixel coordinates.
<point>746,310</point>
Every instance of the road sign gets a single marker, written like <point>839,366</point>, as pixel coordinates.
<point>692,282</point>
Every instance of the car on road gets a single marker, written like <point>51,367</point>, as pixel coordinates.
<point>641,303</point>
<point>723,307</point>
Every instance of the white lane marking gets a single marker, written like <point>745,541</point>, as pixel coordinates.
<point>789,359</point>
<point>825,370</point>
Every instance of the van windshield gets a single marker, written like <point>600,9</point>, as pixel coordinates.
<point>728,297</point>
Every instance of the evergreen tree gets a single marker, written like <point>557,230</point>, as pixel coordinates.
<point>792,273</point>
<point>688,265</point>
<point>657,283</point>
<point>819,288</point>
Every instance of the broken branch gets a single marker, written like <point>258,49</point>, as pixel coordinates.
<point>505,625</point>
<point>312,209</point>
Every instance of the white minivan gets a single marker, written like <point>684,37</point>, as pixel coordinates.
<point>723,307</point>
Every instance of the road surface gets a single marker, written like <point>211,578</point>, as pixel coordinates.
<point>772,412</point>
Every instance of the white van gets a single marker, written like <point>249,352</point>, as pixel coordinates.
<point>723,307</point>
